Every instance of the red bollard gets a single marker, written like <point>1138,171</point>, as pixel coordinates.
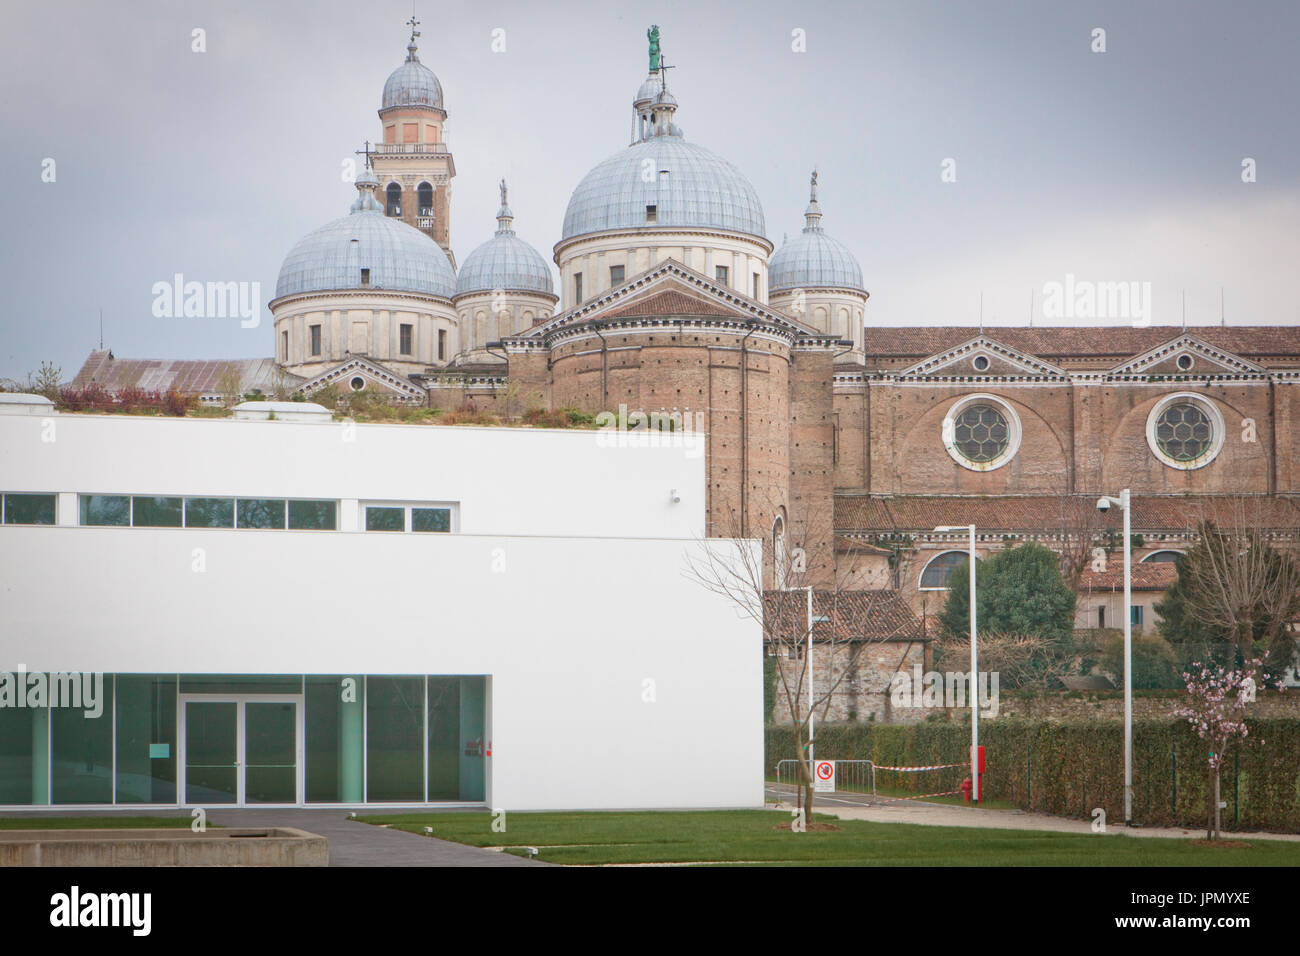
<point>965,790</point>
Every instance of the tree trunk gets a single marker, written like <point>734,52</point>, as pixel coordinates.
<point>1217,819</point>
<point>1209,806</point>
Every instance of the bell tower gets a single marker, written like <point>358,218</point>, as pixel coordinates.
<point>412,161</point>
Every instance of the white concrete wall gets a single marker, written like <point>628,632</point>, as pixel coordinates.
<point>507,480</point>
<point>567,620</point>
<point>569,632</point>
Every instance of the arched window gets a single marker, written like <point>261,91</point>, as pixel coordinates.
<point>1162,557</point>
<point>425,194</point>
<point>780,560</point>
<point>937,573</point>
<point>394,193</point>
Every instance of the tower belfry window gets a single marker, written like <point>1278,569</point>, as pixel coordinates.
<point>394,195</point>
<point>425,194</point>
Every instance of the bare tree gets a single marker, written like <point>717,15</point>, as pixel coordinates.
<point>228,384</point>
<point>1022,660</point>
<point>1081,525</point>
<point>768,584</point>
<point>1235,582</point>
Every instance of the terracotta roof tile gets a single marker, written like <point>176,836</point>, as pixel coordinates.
<point>880,615</point>
<point>670,302</point>
<point>161,375</point>
<point>1061,342</point>
<point>1147,576</point>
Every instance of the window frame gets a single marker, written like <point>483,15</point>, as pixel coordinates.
<point>949,427</point>
<point>407,506</point>
<point>54,506</point>
<point>964,553</point>
<point>1211,412</point>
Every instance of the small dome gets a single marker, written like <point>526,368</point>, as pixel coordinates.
<point>398,257</point>
<point>812,259</point>
<point>412,84</point>
<point>504,262</point>
<point>507,263</point>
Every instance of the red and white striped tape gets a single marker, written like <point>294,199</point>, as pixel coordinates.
<point>942,766</point>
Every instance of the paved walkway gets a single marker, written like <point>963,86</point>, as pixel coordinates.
<point>351,843</point>
<point>364,844</point>
<point>850,806</point>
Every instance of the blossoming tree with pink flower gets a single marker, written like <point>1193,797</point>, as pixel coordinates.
<point>1217,699</point>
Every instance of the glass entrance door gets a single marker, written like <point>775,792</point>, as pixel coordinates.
<point>241,750</point>
<point>211,751</point>
<point>270,752</point>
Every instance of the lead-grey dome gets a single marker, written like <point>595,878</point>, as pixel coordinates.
<point>689,187</point>
<point>400,258</point>
<point>504,262</point>
<point>812,259</point>
<point>412,84</point>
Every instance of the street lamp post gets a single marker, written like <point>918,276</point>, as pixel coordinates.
<point>974,671</point>
<point>1103,504</point>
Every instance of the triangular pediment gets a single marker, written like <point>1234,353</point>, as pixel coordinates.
<point>1185,354</point>
<point>671,289</point>
<point>983,357</point>
<point>372,375</point>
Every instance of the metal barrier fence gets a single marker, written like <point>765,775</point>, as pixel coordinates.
<point>859,776</point>
<point>851,776</point>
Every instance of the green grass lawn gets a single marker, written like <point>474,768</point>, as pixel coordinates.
<point>750,836</point>
<point>897,793</point>
<point>94,823</point>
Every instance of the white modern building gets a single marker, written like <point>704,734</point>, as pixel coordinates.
<point>301,611</point>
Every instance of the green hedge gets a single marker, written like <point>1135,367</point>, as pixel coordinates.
<point>1067,769</point>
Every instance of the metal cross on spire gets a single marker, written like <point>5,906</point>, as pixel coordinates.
<point>663,73</point>
<point>413,24</point>
<point>366,153</point>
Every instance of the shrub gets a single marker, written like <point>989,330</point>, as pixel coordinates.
<point>1019,590</point>
<point>1155,665</point>
<point>176,403</point>
<point>541,418</point>
<point>1070,768</point>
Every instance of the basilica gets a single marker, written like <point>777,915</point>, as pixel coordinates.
<point>824,432</point>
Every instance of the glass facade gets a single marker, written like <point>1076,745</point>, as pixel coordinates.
<point>28,509</point>
<point>213,739</point>
<point>146,511</point>
<point>157,512</point>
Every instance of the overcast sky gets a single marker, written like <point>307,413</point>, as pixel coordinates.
<point>1117,166</point>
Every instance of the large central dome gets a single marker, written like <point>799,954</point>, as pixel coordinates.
<point>663,182</point>
<point>366,250</point>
